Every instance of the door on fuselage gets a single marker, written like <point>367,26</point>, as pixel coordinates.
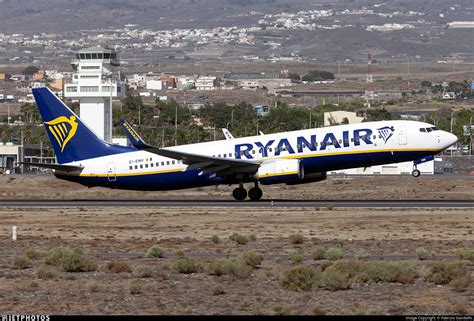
<point>111,172</point>
<point>402,135</point>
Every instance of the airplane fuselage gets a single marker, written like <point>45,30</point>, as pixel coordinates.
<point>319,149</point>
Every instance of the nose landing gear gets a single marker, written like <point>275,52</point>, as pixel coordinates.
<point>415,172</point>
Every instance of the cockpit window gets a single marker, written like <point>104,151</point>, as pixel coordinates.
<point>429,129</point>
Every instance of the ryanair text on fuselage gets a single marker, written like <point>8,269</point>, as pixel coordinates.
<point>310,143</point>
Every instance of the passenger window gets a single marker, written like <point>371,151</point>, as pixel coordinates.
<point>141,166</point>
<point>230,154</point>
<point>151,165</point>
<point>157,164</point>
<point>131,167</point>
<point>162,163</point>
<point>146,165</point>
<point>136,166</point>
<point>423,130</point>
<point>168,162</point>
<point>172,162</point>
<point>429,130</point>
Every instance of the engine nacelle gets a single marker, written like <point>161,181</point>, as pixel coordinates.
<point>309,178</point>
<point>280,171</point>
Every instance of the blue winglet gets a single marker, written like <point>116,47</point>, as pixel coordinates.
<point>132,135</point>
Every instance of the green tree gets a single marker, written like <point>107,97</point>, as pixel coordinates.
<point>30,70</point>
<point>318,75</point>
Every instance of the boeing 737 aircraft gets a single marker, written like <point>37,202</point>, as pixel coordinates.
<point>296,157</point>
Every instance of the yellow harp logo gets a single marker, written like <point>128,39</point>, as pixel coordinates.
<point>63,129</point>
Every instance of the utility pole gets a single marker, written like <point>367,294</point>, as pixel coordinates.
<point>452,120</point>
<point>176,126</point>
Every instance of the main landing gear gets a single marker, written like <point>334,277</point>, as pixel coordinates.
<point>240,193</point>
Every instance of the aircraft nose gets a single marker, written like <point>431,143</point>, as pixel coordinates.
<point>449,139</point>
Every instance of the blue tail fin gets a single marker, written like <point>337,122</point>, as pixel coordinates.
<point>72,140</point>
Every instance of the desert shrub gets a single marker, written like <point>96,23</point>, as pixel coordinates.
<point>461,284</point>
<point>466,254</point>
<point>301,278</point>
<point>296,239</point>
<point>369,272</point>
<point>215,239</point>
<point>142,272</point>
<point>361,256</point>
<point>154,252</point>
<point>239,239</point>
<point>324,265</point>
<point>135,288</point>
<point>318,254</point>
<point>74,261</point>
<point>460,308</point>
<point>422,254</point>
<point>54,256</point>
<point>295,257</point>
<point>334,253</point>
<point>251,258</point>
<point>218,267</point>
<point>187,265</point>
<point>233,267</point>
<point>21,263</point>
<point>32,254</point>
<point>180,254</point>
<point>217,289</point>
<point>335,280</point>
<point>45,272</point>
<point>445,272</point>
<point>118,267</point>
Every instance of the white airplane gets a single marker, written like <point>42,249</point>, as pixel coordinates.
<point>296,157</point>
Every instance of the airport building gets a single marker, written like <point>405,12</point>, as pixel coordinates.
<point>95,83</point>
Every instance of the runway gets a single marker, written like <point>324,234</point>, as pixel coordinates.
<point>231,203</point>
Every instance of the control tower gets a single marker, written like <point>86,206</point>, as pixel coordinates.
<point>94,76</point>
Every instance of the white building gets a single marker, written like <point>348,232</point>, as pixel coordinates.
<point>92,81</point>
<point>206,83</point>
<point>339,117</point>
<point>154,85</point>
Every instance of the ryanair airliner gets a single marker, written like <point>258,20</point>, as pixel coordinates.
<point>295,157</point>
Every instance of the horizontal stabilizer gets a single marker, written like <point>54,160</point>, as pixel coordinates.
<point>59,167</point>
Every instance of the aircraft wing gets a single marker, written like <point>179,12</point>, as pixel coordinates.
<point>62,168</point>
<point>208,164</point>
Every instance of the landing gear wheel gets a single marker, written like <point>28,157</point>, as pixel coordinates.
<point>255,194</point>
<point>415,173</point>
<point>239,193</point>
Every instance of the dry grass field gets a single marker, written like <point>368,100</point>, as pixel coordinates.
<point>326,260</point>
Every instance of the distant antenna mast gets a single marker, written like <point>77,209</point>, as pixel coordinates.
<point>369,91</point>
